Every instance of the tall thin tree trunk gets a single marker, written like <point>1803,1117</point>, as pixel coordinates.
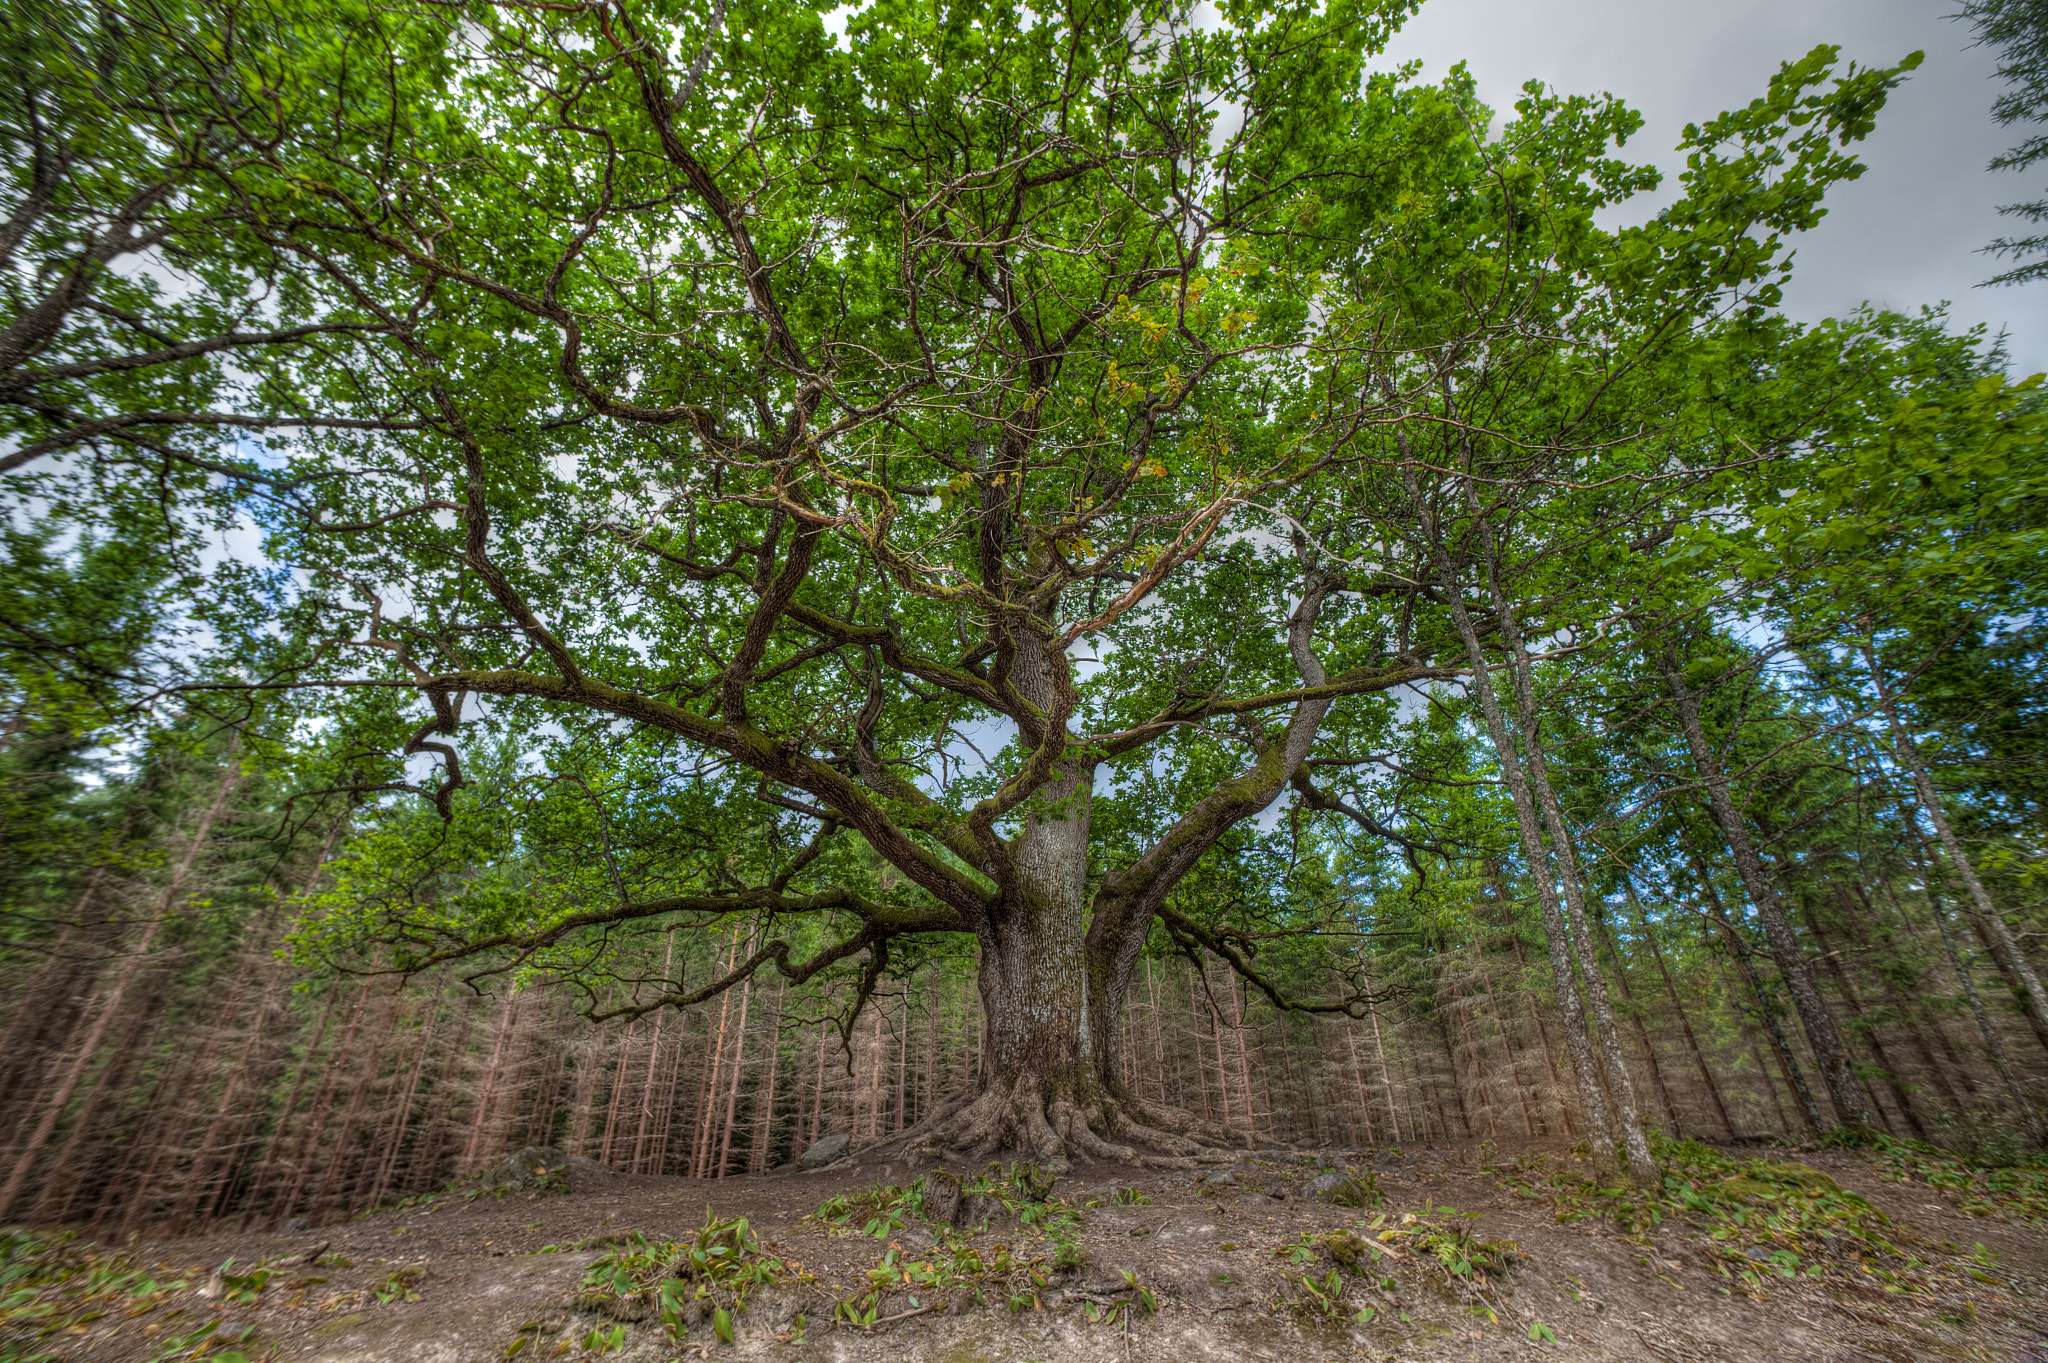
<point>1635,1018</point>
<point>1781,1045</point>
<point>2019,971</point>
<point>902,1065</point>
<point>640,1133</point>
<point>1244,1064</point>
<point>1586,1070</point>
<point>1992,1045</point>
<point>618,1092</point>
<point>1500,1024</point>
<point>1379,1046</point>
<point>761,1150</point>
<point>198,1176</point>
<point>1678,1011</point>
<point>1620,1088</point>
<point>473,1151</point>
<point>1558,1093</point>
<point>739,1070</point>
<point>1915,1033</point>
<point>1861,1022</point>
<point>714,1073</point>
<point>1829,1051</point>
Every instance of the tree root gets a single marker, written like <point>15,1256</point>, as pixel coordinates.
<point>1052,1128</point>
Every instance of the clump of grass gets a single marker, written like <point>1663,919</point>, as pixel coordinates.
<point>879,1211</point>
<point>52,1288</point>
<point>705,1279</point>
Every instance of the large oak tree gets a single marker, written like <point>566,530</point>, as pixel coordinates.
<point>809,412</point>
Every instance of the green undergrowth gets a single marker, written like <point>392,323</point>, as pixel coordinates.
<point>1757,1219</point>
<point>1018,1273</point>
<point>879,1211</point>
<point>54,1290</point>
<point>2017,1191</point>
<point>1023,1190</point>
<point>954,1270</point>
<point>703,1280</point>
<point>1434,1245</point>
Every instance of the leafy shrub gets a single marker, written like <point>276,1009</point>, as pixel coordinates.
<point>705,1279</point>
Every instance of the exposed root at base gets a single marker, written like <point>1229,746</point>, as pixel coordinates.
<point>1052,1129</point>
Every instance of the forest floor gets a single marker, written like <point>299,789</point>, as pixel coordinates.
<point>1470,1253</point>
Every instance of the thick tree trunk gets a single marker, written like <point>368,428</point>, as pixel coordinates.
<point>1056,965</point>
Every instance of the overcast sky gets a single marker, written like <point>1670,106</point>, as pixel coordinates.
<point>1904,235</point>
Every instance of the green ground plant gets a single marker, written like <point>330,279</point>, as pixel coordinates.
<point>905,1283</point>
<point>1468,1264</point>
<point>2015,1189</point>
<point>1763,1219</point>
<point>1434,1242</point>
<point>402,1285</point>
<point>52,1288</point>
<point>705,1279</point>
<point>879,1211</point>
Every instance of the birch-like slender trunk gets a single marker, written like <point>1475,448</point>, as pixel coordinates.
<point>2005,949</point>
<point>1620,1088</point>
<point>1830,1052</point>
<point>1529,824</point>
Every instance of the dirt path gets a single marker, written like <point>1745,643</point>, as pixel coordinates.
<point>1224,1264</point>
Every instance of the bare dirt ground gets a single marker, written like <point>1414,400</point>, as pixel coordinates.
<point>1225,1265</point>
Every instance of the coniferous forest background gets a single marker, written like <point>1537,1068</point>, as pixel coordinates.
<point>163,1063</point>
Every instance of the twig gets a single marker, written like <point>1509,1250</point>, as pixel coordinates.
<point>901,1315</point>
